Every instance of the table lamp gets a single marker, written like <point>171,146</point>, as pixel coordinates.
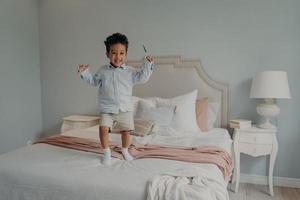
<point>269,85</point>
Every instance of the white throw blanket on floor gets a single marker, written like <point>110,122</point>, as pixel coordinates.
<point>187,184</point>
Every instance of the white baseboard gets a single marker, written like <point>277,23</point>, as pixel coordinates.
<point>277,181</point>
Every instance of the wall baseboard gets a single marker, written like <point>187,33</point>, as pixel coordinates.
<point>263,180</point>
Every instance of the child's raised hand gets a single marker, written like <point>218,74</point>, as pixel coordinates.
<point>149,58</point>
<point>82,67</point>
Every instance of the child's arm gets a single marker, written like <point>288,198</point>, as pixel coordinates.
<point>142,75</point>
<point>85,74</point>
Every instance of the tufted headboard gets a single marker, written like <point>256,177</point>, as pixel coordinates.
<point>174,76</point>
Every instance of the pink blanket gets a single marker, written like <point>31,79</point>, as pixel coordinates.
<point>204,154</point>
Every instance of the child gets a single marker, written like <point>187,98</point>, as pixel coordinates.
<point>115,81</point>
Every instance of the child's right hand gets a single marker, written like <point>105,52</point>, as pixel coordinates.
<point>82,67</point>
<point>149,58</point>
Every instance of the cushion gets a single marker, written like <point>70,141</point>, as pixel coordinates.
<point>142,127</point>
<point>201,113</point>
<point>145,127</point>
<point>185,117</point>
<point>162,115</point>
<point>135,100</point>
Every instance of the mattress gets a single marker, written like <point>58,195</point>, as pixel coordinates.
<point>43,171</point>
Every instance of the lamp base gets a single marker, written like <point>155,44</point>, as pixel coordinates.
<point>268,110</point>
<point>267,125</point>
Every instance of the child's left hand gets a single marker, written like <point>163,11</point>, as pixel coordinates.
<point>149,58</point>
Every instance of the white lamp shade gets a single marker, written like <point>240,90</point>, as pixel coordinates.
<point>270,84</point>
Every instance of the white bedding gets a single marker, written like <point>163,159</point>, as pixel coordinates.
<point>43,171</point>
<point>187,184</point>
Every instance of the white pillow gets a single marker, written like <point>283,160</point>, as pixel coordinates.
<point>185,116</point>
<point>162,115</point>
<point>212,113</point>
<point>135,100</point>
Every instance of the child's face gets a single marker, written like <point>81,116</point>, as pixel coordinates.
<point>117,54</point>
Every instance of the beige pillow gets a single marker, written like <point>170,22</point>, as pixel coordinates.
<point>201,113</point>
<point>142,127</point>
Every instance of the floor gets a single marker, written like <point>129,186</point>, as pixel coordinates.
<point>261,192</point>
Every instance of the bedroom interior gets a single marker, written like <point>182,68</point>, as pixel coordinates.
<point>217,44</point>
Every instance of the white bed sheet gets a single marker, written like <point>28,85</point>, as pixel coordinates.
<point>44,171</point>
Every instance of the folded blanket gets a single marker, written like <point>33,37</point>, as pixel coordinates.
<point>204,154</point>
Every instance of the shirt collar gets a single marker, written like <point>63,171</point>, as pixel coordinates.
<point>123,66</point>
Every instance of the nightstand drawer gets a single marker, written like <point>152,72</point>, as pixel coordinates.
<point>260,138</point>
<point>255,150</point>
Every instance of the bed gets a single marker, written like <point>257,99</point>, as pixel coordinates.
<point>43,171</point>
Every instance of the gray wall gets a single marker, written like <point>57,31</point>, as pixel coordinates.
<point>20,86</point>
<point>233,38</point>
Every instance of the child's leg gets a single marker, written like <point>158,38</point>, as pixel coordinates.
<point>125,124</point>
<point>125,145</point>
<point>105,122</point>
<point>103,134</point>
<point>125,139</point>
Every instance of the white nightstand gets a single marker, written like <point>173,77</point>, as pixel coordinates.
<point>254,142</point>
<point>79,122</point>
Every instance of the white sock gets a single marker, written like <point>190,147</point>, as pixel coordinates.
<point>126,154</point>
<point>106,156</point>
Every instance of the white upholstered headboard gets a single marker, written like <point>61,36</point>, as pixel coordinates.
<point>174,76</point>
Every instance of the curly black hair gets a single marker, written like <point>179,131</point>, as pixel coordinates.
<point>115,39</point>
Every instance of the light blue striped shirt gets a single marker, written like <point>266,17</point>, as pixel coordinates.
<point>115,85</point>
